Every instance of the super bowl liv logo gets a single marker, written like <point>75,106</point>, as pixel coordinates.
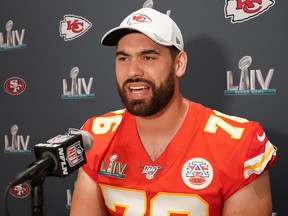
<point>77,85</point>
<point>16,143</point>
<point>247,83</point>
<point>13,39</point>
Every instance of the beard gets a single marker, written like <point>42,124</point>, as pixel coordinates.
<point>160,97</point>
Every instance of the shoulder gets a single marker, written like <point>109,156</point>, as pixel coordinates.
<point>216,122</point>
<point>103,129</point>
<point>105,122</point>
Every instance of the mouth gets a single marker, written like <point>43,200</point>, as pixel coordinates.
<point>138,90</point>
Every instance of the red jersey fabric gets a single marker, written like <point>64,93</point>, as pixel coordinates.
<point>212,156</point>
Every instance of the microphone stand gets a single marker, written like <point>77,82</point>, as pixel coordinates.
<point>37,191</point>
<point>37,195</point>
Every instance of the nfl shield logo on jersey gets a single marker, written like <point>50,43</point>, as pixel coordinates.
<point>197,173</point>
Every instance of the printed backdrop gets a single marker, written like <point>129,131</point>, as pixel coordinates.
<point>55,74</point>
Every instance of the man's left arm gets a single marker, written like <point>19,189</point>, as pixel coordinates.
<point>254,199</point>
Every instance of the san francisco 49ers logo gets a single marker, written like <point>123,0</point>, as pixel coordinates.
<point>14,85</point>
<point>243,10</point>
<point>20,191</point>
<point>197,173</point>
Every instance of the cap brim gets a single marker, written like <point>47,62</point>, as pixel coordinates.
<point>112,37</point>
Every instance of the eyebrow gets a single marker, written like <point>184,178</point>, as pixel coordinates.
<point>121,53</point>
<point>144,52</point>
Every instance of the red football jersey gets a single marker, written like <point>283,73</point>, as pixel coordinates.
<point>212,156</point>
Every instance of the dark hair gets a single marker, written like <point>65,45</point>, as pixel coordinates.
<point>173,52</point>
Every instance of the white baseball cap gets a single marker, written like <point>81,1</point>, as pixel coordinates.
<point>158,26</point>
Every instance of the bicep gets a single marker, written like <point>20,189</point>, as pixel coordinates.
<point>254,199</point>
<point>87,198</point>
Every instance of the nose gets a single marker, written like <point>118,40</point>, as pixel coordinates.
<point>134,69</point>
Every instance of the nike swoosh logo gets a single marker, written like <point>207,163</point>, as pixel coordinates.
<point>261,138</point>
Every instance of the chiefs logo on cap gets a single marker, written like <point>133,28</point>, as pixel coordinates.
<point>138,18</point>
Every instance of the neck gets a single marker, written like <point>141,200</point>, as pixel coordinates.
<point>173,113</point>
<point>158,130</point>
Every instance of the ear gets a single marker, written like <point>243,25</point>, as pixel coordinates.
<point>181,63</point>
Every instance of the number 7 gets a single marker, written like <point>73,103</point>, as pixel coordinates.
<point>214,122</point>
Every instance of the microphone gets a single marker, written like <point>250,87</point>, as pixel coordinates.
<point>59,156</point>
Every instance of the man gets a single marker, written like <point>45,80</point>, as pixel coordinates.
<point>164,154</point>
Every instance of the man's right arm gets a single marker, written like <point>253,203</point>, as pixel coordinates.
<point>87,197</point>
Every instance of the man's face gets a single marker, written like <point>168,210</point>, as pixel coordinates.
<point>145,74</point>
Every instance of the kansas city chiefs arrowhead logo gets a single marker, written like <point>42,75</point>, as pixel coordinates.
<point>243,10</point>
<point>73,26</point>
